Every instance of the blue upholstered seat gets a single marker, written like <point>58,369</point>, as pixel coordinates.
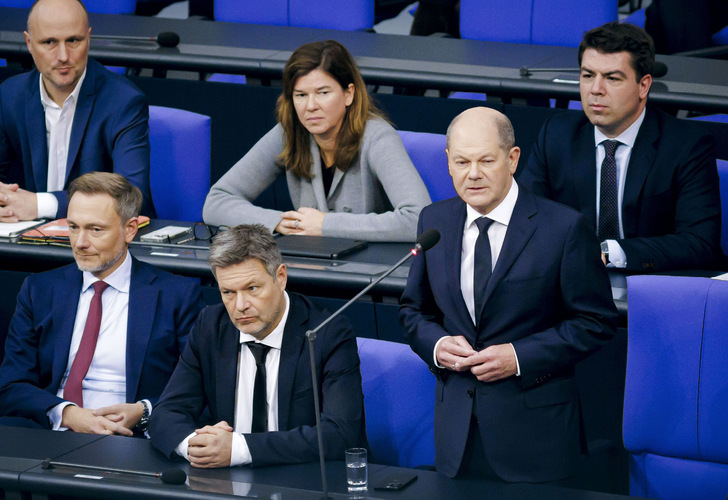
<point>676,393</point>
<point>399,401</point>
<point>180,162</point>
<point>427,152</point>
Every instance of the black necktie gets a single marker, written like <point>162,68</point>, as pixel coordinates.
<point>608,200</point>
<point>260,405</point>
<point>483,265</point>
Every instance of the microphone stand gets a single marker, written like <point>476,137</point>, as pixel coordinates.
<point>311,336</point>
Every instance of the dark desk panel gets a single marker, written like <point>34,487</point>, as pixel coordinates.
<point>428,62</point>
<point>288,482</point>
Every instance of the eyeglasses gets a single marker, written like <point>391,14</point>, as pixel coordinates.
<point>203,232</point>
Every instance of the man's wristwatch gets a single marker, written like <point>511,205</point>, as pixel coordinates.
<point>605,250</point>
<point>144,422</point>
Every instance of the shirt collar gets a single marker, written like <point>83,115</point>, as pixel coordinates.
<point>46,100</point>
<point>627,137</point>
<point>502,213</point>
<point>119,279</point>
<point>275,338</point>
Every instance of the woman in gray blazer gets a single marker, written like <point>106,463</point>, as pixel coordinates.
<point>348,174</point>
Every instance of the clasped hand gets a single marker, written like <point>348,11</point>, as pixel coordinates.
<point>116,419</point>
<point>17,204</point>
<point>305,220</point>
<point>493,363</point>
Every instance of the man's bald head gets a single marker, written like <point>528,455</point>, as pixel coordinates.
<point>485,117</point>
<point>69,4</point>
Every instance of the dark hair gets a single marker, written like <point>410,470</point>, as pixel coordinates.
<point>333,58</point>
<point>622,37</point>
<point>244,242</point>
<point>128,198</point>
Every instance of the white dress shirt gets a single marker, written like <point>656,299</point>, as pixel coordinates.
<point>244,389</point>
<point>59,122</point>
<point>501,216</point>
<point>105,382</point>
<point>617,257</point>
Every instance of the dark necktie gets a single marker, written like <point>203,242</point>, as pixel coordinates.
<point>260,404</point>
<point>73,390</point>
<point>608,199</point>
<point>483,265</point>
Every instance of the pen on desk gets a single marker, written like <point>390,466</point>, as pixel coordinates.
<point>185,241</point>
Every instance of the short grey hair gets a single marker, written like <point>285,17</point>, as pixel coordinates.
<point>244,242</point>
<point>506,135</point>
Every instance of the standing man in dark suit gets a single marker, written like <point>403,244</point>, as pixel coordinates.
<point>92,345</point>
<point>247,361</point>
<point>646,182</point>
<point>67,117</point>
<point>501,310</point>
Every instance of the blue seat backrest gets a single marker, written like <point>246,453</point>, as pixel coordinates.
<point>180,162</point>
<point>98,6</point>
<point>399,401</point>
<point>347,15</point>
<point>273,12</point>
<point>723,175</point>
<point>427,152</point>
<point>676,391</point>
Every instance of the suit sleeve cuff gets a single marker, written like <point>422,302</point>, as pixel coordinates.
<point>617,257</point>
<point>55,416</point>
<point>47,205</point>
<point>240,453</point>
<point>434,352</point>
<point>181,449</point>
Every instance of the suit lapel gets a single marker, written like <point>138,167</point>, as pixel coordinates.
<point>640,162</point>
<point>453,238</point>
<point>143,297</point>
<point>37,172</point>
<point>317,183</point>
<point>291,347</point>
<point>227,369</point>
<point>66,295</point>
<point>520,230</point>
<point>585,177</point>
<point>86,101</point>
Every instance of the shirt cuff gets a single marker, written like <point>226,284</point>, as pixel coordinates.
<point>617,257</point>
<point>47,205</point>
<point>55,416</point>
<point>434,352</point>
<point>518,365</point>
<point>240,453</point>
<point>181,449</point>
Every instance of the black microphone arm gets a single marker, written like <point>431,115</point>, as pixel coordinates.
<point>658,71</point>
<point>427,240</point>
<point>164,39</point>
<point>169,476</point>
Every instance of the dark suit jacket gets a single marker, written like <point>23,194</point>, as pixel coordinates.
<point>207,373</point>
<point>671,203</point>
<point>550,297</point>
<point>162,309</point>
<point>110,133</point>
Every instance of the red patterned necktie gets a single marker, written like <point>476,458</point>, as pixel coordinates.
<point>73,391</point>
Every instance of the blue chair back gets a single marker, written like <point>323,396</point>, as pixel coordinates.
<point>273,12</point>
<point>540,22</point>
<point>427,152</point>
<point>345,15</point>
<point>723,175</point>
<point>399,401</point>
<point>180,162</point>
<point>99,6</point>
<point>676,391</point>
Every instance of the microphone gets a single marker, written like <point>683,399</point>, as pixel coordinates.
<point>169,476</point>
<point>165,39</point>
<point>658,71</point>
<point>426,240</point>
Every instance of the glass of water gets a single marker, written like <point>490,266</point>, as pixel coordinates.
<point>356,469</point>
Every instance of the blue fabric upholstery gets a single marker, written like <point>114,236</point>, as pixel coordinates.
<point>399,403</point>
<point>427,152</point>
<point>180,162</point>
<point>541,22</point>
<point>252,11</point>
<point>723,175</point>
<point>676,392</point>
<point>99,6</point>
<point>226,78</point>
<point>347,15</point>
